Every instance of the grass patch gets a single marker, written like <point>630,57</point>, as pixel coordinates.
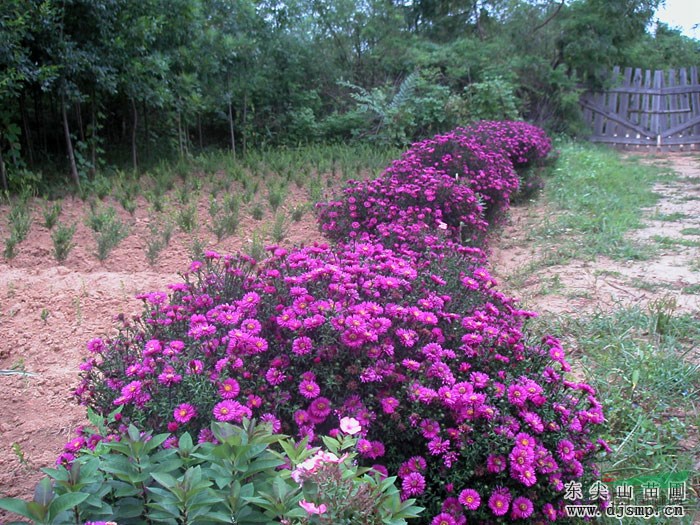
<point>690,231</point>
<point>669,217</point>
<point>597,197</point>
<point>693,289</point>
<point>670,242</point>
<point>642,365</point>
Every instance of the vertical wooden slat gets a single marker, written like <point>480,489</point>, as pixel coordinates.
<point>669,106</point>
<point>625,101</point>
<point>655,120</point>
<point>694,100</point>
<point>635,100</point>
<point>598,119</point>
<point>612,127</point>
<point>683,101</point>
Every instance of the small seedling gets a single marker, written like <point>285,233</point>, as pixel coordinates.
<point>10,245</point>
<point>20,220</point>
<point>186,218</point>
<point>62,238</point>
<point>51,214</point>
<point>19,453</point>
<point>258,212</point>
<point>45,315</point>
<point>298,213</point>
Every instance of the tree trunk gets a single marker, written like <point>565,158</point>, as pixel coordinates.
<point>245,117</point>
<point>79,114</point>
<point>146,132</point>
<point>93,138</point>
<point>199,131</point>
<point>135,116</point>
<point>179,136</point>
<point>3,173</point>
<point>27,132</point>
<point>230,127</point>
<point>69,143</point>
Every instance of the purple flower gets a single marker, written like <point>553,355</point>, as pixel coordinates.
<point>470,499</point>
<point>499,501</point>
<point>443,519</point>
<point>229,410</point>
<point>522,508</point>
<point>184,413</point>
<point>309,389</point>
<point>229,388</point>
<point>413,485</point>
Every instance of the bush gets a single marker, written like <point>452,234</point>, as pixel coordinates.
<point>401,328</point>
<point>140,477</point>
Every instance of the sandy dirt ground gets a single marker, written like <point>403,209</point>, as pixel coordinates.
<point>672,274</point>
<point>48,311</point>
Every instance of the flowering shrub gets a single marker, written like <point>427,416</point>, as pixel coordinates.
<point>463,179</point>
<point>401,327</point>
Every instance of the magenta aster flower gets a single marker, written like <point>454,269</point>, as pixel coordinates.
<point>389,404</point>
<point>522,508</point>
<point>184,413</point>
<point>320,408</point>
<point>470,499</point>
<point>229,388</point>
<point>549,512</point>
<point>566,450</point>
<point>309,389</point>
<point>302,345</point>
<point>495,463</point>
<point>499,501</point>
<point>443,519</point>
<point>229,410</point>
<point>413,484</point>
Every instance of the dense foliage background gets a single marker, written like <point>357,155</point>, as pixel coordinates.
<point>88,84</point>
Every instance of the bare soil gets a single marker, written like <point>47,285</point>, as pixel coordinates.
<point>48,311</point>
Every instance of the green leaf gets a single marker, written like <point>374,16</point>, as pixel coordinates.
<point>65,502</point>
<point>185,442</point>
<point>16,506</point>
<point>165,480</point>
<point>43,493</point>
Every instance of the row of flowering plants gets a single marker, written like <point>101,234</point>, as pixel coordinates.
<point>398,326</point>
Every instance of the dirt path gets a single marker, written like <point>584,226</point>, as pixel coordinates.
<point>672,227</point>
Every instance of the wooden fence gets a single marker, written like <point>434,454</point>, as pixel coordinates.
<point>647,109</point>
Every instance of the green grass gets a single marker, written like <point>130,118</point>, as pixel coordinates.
<point>644,366</point>
<point>669,217</point>
<point>596,198</point>
<point>670,242</point>
<point>690,231</point>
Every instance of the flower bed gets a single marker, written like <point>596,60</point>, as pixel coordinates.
<point>399,325</point>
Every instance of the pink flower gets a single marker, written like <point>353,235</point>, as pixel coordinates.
<point>312,508</point>
<point>309,389</point>
<point>229,388</point>
<point>229,410</point>
<point>470,499</point>
<point>522,508</point>
<point>184,413</point>
<point>499,501</point>
<point>350,425</point>
<point>413,484</point>
<point>443,519</point>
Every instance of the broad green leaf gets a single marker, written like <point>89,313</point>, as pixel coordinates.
<point>65,502</point>
<point>43,492</point>
<point>16,506</point>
